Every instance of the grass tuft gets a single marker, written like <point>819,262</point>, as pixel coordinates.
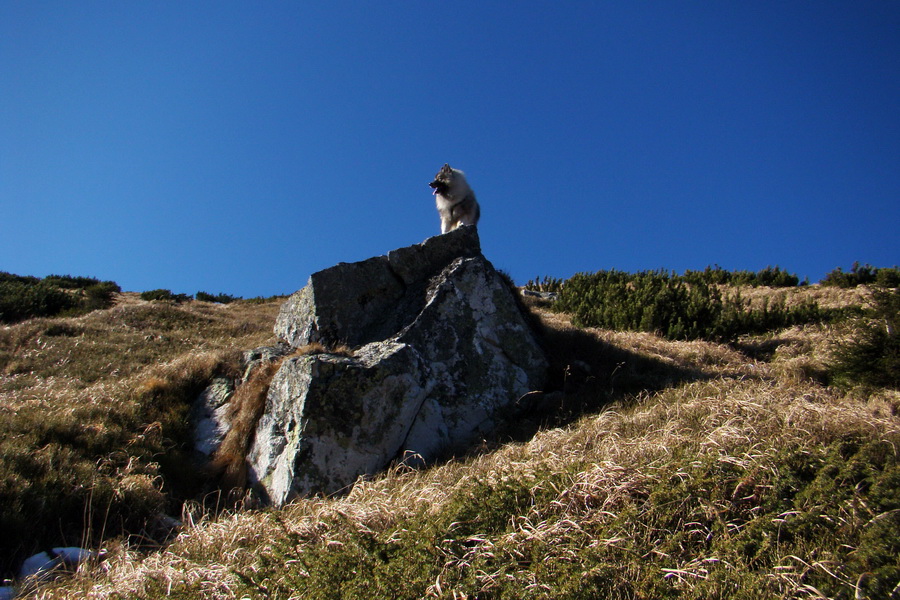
<point>245,408</point>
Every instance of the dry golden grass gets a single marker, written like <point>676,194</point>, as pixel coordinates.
<point>244,411</point>
<point>827,297</point>
<point>656,493</point>
<point>89,405</point>
<point>623,452</point>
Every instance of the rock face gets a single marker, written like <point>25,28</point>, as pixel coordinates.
<point>209,414</point>
<point>362,302</point>
<point>441,354</point>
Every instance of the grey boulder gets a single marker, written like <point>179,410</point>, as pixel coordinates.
<point>441,354</point>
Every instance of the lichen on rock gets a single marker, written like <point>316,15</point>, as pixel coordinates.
<point>441,354</point>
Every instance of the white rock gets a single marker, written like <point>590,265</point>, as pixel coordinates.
<point>443,353</point>
<point>38,565</point>
<point>73,556</point>
<point>41,564</point>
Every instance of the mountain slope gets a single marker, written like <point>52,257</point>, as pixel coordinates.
<point>668,469</point>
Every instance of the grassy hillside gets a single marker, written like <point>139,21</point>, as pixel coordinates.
<point>661,468</point>
<point>93,437</point>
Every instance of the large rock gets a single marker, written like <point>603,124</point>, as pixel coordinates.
<point>330,419</point>
<point>357,303</point>
<point>442,353</point>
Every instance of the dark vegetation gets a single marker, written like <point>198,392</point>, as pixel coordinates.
<point>217,298</point>
<point>166,295</point>
<point>863,275</point>
<point>872,356</point>
<point>24,297</point>
<point>770,276</point>
<point>696,305</point>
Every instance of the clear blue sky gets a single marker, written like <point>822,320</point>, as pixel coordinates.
<point>238,147</point>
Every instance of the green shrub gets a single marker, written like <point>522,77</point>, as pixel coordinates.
<point>68,282</point>
<point>20,301</point>
<point>678,308</point>
<point>547,284</point>
<point>9,277</point>
<point>164,294</point>
<point>770,276</point>
<point>863,275</point>
<point>100,295</point>
<point>219,298</point>
<point>775,277</point>
<point>716,276</point>
<point>889,278</point>
<point>260,299</point>
<point>873,357</point>
<point>25,297</point>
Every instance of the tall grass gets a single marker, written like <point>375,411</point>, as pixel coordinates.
<point>94,439</point>
<point>727,475</point>
<point>229,462</point>
<point>716,489</point>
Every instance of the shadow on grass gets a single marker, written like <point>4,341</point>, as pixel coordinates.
<point>760,349</point>
<point>586,374</point>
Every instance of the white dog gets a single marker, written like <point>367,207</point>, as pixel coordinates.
<point>455,199</point>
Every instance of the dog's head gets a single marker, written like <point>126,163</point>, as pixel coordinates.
<point>446,180</point>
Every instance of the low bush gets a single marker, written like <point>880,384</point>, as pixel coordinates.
<point>20,301</point>
<point>10,277</point>
<point>547,284</point>
<point>68,282</point>
<point>261,299</point>
<point>218,298</point>
<point>163,294</point>
<point>872,357</point>
<point>770,277</point>
<point>863,275</point>
<point>678,308</point>
<point>100,295</point>
<point>25,297</point>
<point>889,278</point>
<point>711,275</point>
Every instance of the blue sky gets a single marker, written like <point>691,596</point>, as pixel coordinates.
<point>237,147</point>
